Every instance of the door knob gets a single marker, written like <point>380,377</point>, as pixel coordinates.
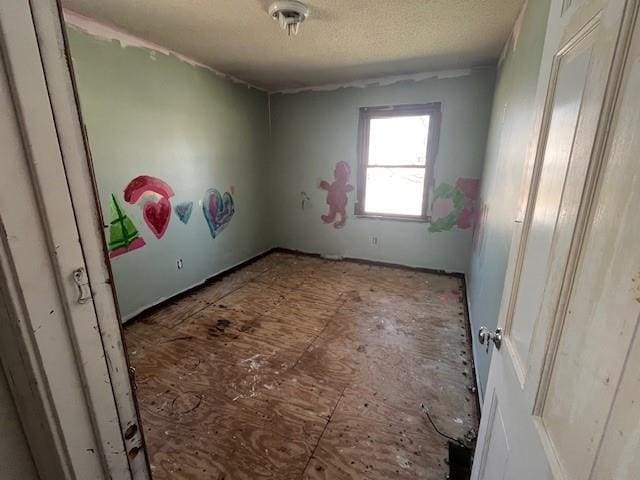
<point>485,335</point>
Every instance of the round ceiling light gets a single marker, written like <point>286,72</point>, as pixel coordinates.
<point>289,14</point>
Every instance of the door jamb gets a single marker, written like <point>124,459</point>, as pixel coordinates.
<point>33,47</point>
<point>76,154</point>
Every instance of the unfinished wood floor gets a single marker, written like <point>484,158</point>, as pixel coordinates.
<point>300,368</point>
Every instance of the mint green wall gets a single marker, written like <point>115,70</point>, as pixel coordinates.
<point>311,131</point>
<point>148,113</point>
<point>511,127</point>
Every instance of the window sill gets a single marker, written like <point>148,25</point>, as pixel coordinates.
<point>397,218</point>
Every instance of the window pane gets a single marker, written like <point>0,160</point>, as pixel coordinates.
<point>398,140</point>
<point>394,190</point>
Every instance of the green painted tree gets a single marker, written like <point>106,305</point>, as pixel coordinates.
<point>456,196</point>
<point>123,235</point>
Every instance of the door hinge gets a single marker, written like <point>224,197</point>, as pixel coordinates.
<point>84,290</point>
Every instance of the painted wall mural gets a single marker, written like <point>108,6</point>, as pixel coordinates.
<point>218,210</point>
<point>337,198</point>
<point>123,235</point>
<point>183,211</point>
<point>153,195</point>
<point>455,205</point>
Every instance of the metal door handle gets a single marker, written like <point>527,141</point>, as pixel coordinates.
<point>485,335</point>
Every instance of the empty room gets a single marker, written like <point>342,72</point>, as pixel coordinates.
<point>320,239</point>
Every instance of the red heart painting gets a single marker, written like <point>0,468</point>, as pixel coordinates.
<point>157,215</point>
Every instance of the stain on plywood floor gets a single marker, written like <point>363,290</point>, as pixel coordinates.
<point>298,368</point>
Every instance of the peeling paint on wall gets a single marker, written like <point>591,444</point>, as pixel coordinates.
<point>512,42</point>
<point>383,81</point>
<point>107,32</point>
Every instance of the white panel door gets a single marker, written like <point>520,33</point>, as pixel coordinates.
<point>569,313</point>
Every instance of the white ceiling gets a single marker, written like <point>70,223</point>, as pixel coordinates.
<point>342,41</point>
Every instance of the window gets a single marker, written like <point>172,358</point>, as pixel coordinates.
<point>397,149</point>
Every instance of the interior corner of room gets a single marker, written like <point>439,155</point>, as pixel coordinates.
<point>274,146</point>
<point>319,239</point>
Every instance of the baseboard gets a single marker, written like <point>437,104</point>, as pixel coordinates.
<point>368,261</point>
<point>186,291</point>
<point>474,350</point>
<point>219,275</point>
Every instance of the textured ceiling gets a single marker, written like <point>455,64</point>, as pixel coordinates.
<point>342,41</point>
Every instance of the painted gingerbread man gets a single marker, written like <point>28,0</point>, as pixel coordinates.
<point>337,195</point>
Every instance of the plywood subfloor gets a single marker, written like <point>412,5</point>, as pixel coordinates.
<point>296,367</point>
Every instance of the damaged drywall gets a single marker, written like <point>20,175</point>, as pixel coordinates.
<point>111,33</point>
<point>384,81</point>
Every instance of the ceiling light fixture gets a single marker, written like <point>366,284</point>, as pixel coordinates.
<point>289,14</point>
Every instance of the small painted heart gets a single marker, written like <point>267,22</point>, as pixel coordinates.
<point>218,210</point>
<point>183,211</point>
<point>157,216</point>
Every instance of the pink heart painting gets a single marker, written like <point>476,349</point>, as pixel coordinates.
<point>156,215</point>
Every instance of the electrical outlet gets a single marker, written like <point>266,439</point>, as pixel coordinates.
<point>180,264</point>
<point>374,241</point>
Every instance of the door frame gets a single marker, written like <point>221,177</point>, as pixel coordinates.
<point>57,193</point>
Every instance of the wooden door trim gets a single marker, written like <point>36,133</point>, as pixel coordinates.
<point>41,93</point>
<point>53,208</point>
<point>486,440</point>
<point>26,375</point>
<point>76,157</point>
